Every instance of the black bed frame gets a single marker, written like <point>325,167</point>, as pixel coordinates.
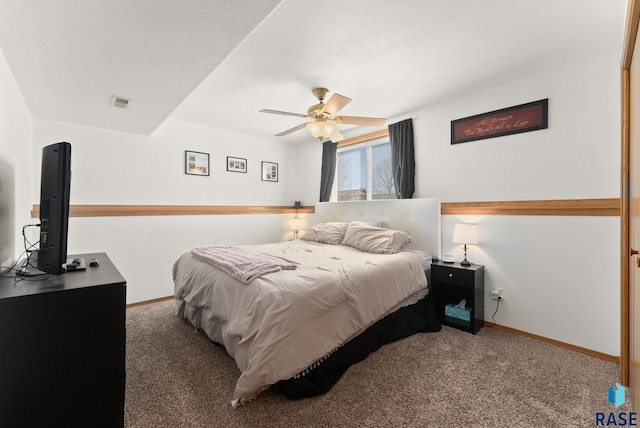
<point>409,320</point>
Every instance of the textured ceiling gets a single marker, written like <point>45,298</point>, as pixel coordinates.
<point>217,63</point>
<point>69,57</point>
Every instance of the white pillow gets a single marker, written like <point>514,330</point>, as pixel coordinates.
<point>376,240</point>
<point>425,258</point>
<point>377,224</point>
<point>328,233</point>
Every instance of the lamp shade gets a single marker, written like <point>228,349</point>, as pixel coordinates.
<point>465,233</point>
<point>297,223</point>
<point>321,128</point>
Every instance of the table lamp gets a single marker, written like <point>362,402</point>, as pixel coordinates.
<point>467,234</point>
<point>296,224</point>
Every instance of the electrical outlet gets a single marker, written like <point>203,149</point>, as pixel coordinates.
<point>496,294</point>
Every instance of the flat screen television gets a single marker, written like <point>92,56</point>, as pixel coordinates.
<point>55,187</point>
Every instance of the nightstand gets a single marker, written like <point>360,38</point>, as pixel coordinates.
<point>452,282</point>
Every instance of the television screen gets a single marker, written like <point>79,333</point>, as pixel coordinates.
<point>55,187</point>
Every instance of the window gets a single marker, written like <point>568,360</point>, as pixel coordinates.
<point>363,172</point>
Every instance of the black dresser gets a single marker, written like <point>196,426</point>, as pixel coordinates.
<point>62,348</point>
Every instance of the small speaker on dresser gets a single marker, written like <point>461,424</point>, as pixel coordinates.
<point>297,204</point>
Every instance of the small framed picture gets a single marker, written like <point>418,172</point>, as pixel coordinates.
<point>196,163</point>
<point>236,164</point>
<point>269,171</point>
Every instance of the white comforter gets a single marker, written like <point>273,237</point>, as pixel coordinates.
<point>280,324</point>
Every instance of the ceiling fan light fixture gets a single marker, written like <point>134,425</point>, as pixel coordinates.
<point>321,128</point>
<point>324,117</point>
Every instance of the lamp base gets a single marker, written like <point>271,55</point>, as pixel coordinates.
<point>465,262</point>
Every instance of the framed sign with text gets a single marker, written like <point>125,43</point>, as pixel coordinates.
<point>512,120</point>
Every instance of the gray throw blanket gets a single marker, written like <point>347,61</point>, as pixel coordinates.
<point>241,265</point>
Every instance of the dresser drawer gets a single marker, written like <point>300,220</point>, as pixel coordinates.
<point>452,276</point>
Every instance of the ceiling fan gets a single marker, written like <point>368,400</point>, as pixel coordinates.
<point>324,117</point>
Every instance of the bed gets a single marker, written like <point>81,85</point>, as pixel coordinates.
<point>325,302</point>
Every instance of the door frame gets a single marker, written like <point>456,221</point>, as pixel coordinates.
<point>631,30</point>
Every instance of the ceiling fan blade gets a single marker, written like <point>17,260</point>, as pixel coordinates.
<point>335,103</point>
<point>286,113</point>
<point>289,131</point>
<point>336,136</point>
<point>366,121</point>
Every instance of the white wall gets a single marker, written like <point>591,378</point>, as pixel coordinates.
<point>578,156</point>
<point>15,166</point>
<point>308,179</point>
<point>110,167</point>
<point>145,248</point>
<point>560,275</point>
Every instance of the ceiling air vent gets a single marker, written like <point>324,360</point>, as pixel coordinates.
<point>120,102</point>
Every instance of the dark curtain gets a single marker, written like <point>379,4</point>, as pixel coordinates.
<point>329,150</point>
<point>402,158</point>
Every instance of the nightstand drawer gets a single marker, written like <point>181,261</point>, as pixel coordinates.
<point>452,275</point>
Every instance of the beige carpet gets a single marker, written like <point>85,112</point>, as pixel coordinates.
<point>177,378</point>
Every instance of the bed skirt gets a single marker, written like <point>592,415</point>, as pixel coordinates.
<point>416,318</point>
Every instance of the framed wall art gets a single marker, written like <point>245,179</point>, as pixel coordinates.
<point>269,171</point>
<point>196,163</point>
<point>236,164</point>
<point>511,120</point>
